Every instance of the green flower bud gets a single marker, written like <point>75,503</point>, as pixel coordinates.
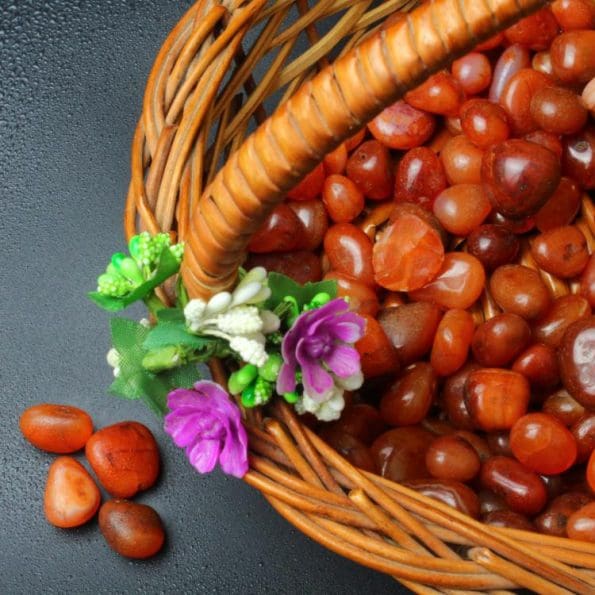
<point>263,391</point>
<point>165,358</point>
<point>270,370</point>
<point>239,380</point>
<point>178,251</point>
<point>248,396</point>
<point>128,268</point>
<point>111,270</point>
<point>291,398</point>
<point>134,247</point>
<point>294,310</point>
<point>319,300</point>
<point>112,285</point>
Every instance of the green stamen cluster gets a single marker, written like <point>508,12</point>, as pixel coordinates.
<point>256,385</point>
<point>125,273</point>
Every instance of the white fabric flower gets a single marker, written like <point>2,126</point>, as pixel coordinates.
<point>194,311</point>
<point>250,348</point>
<point>113,359</point>
<point>270,322</point>
<point>351,382</point>
<point>218,303</point>
<point>242,320</point>
<point>328,410</point>
<point>252,289</point>
<point>145,322</point>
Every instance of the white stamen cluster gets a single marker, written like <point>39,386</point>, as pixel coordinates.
<point>113,359</point>
<point>329,408</point>
<point>235,318</point>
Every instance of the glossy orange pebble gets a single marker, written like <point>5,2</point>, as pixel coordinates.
<point>523,490</point>
<point>71,496</point>
<point>459,282</point>
<point>473,71</point>
<point>536,31</point>
<point>563,312</point>
<point>554,520</point>
<point>362,298</point>
<point>558,110</point>
<point>314,219</point>
<point>497,341</point>
<point>56,428</point>
<point>520,290</point>
<point>581,524</point>
<point>587,282</point>
<point>302,266</point>
<point>350,447</point>
<point>310,187</point>
<point>496,398</point>
<point>583,430</point>
<point>513,59</point>
<point>452,457</point>
<point>461,208</point>
<point>408,254</point>
<point>543,444</point>
<point>343,200</point>
<point>377,355</point>
<point>578,157</point>
<point>125,458</point>
<point>573,58</point>
<point>461,160</point>
<point>566,409</point>
<point>493,245</point>
<point>451,342</point>
<point>574,14</point>
<point>539,365</point>
<point>411,329</point>
<point>561,251</point>
<point>441,94</point>
<point>450,492</point>
<point>369,167</point>
<point>561,208</point>
<point>130,529</point>
<point>483,122</point>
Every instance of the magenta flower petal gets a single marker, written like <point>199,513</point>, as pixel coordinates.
<point>343,361</point>
<point>203,455</point>
<point>321,339</point>
<point>208,424</point>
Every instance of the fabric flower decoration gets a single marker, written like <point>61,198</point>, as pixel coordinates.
<point>208,425</point>
<point>320,344</point>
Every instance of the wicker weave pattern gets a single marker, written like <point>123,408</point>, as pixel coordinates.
<point>195,115</point>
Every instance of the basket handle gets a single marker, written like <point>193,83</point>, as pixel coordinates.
<point>324,112</point>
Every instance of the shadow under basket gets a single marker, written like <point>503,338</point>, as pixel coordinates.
<point>197,173</point>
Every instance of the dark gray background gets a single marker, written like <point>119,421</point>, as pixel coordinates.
<point>71,79</point>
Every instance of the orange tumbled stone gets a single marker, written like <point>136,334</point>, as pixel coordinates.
<point>408,254</point>
<point>71,496</point>
<point>133,530</point>
<point>124,457</point>
<point>56,428</point>
<point>377,355</point>
<point>458,284</point>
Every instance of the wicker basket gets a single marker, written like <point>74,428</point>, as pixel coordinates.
<point>200,100</point>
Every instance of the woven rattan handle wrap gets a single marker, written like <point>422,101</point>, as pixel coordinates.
<point>322,114</point>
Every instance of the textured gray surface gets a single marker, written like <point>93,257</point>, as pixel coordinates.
<point>71,79</point>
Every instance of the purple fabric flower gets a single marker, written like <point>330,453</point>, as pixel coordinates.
<point>318,342</point>
<point>208,425</point>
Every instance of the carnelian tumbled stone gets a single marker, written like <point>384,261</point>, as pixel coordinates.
<point>280,232</point>
<point>493,245</point>
<point>561,251</point>
<point>558,110</point>
<point>511,60</point>
<point>420,177</point>
<point>449,492</point>
<point>583,431</point>
<point>362,298</point>
<point>573,58</point>
<point>577,361</point>
<point>124,457</point>
<point>561,208</point>
<point>497,341</point>
<point>522,489</point>
<point>508,519</point>
<point>483,122</point>
<point>554,519</point>
<point>574,14</point>
<point>377,355</point>
<point>564,311</point>
<point>452,398</point>
<point>461,160</point>
<point>349,251</point>
<point>539,365</point>
<point>411,329</point>
<point>578,157</point>
<point>452,457</point>
<point>473,71</point>
<point>581,524</point>
<point>441,94</point>
<point>56,428</point>
<point>451,342</point>
<point>408,399</point>
<point>350,447</point>
<point>496,398</point>
<point>542,443</point>
<point>462,208</point>
<point>361,421</point>
<point>310,186</point>
<point>130,529</point>
<point>458,284</point>
<point>520,290</point>
<point>566,409</point>
<point>302,266</point>
<point>401,126</point>
<point>343,200</point>
<point>408,254</point>
<point>369,168</point>
<point>519,176</point>
<point>400,454</point>
<point>535,31</point>
<point>312,215</point>
<point>71,496</point>
<point>587,282</point>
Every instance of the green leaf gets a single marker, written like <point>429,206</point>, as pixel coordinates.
<point>168,265</point>
<point>171,315</point>
<point>166,333</point>
<point>134,382</point>
<point>281,285</point>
